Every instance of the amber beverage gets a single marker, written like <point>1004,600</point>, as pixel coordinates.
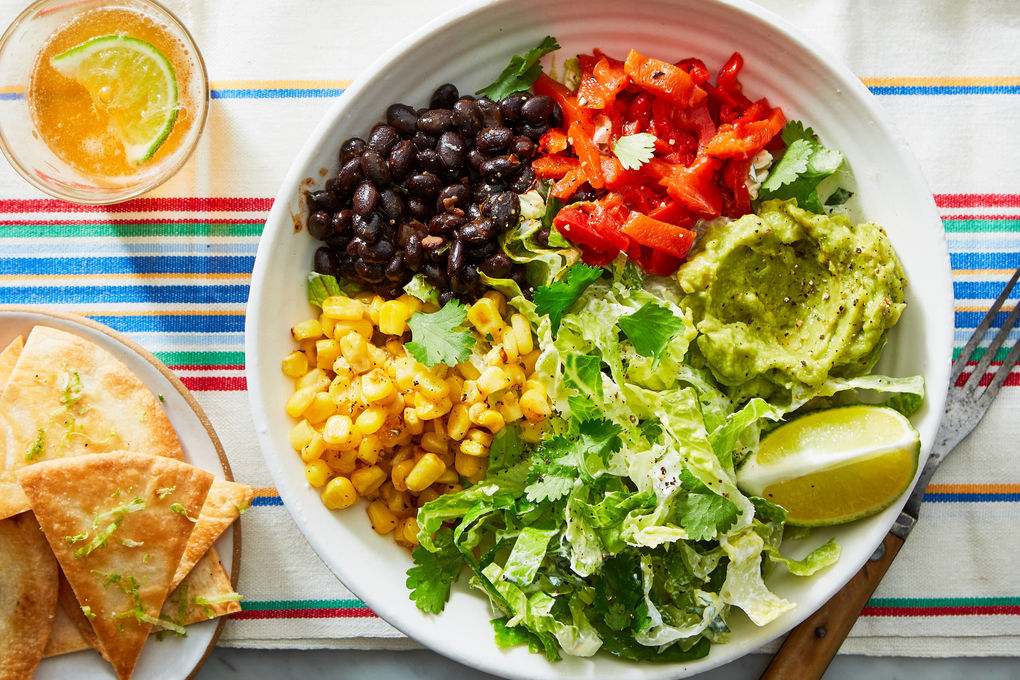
<point>53,132</point>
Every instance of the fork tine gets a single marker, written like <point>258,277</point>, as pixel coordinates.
<point>997,342</point>
<point>1000,377</point>
<point>979,332</point>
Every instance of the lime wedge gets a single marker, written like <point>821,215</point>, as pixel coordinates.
<point>132,82</point>
<point>834,466</point>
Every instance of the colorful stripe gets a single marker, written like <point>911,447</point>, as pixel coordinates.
<point>303,609</point>
<point>943,606</point>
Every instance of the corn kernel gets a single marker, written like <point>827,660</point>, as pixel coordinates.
<point>425,472</point>
<point>399,472</point>
<point>339,494</point>
<point>370,449</point>
<point>509,345</point>
<point>299,401</point>
<point>499,299</point>
<point>370,420</point>
<point>450,476</point>
<point>365,297</point>
<point>433,443</point>
<point>396,406</point>
<point>337,430</point>
<point>509,407</point>
<point>456,385</point>
<point>429,410</point>
<point>368,479</point>
<point>321,407</point>
<point>362,327</point>
<point>427,496</point>
<point>376,386</point>
<point>535,405</point>
<point>473,448</point>
<point>307,347</point>
<point>448,488</point>
<point>412,423</point>
<point>522,333</point>
<point>475,412</point>
<point>408,529</point>
<point>491,420</point>
<point>309,329</point>
<point>396,347</point>
<point>393,316</point>
<point>484,316</point>
<point>341,308</point>
<point>317,473</point>
<point>535,384</point>
<point>529,360</point>
<point>328,325</point>
<point>374,307</point>
<point>355,350</point>
<point>480,436</point>
<point>458,422</point>
<point>400,504</point>
<point>495,356</point>
<point>379,356</point>
<point>341,462</point>
<point>383,521</point>
<point>471,394</point>
<point>429,307</point>
<point>301,434</point>
<point>516,374</point>
<point>326,352</point>
<point>406,370</point>
<point>493,379</point>
<point>471,467</point>
<point>430,386</point>
<point>313,449</point>
<point>411,301</point>
<point>468,370</point>
<point>315,378</point>
<point>295,364</point>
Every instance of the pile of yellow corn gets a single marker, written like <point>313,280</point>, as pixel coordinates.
<point>375,423</point>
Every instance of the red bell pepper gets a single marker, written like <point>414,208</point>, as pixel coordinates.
<point>554,141</point>
<point>734,177</point>
<point>694,185</point>
<point>587,153</point>
<point>663,79</point>
<point>554,167</point>
<point>745,136</point>
<point>564,97</point>
<point>657,235</point>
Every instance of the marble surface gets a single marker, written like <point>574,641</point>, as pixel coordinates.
<point>246,664</point>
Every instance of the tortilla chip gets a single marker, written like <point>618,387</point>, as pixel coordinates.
<point>8,358</point>
<point>224,504</point>
<point>118,524</point>
<point>70,608</point>
<point>67,397</point>
<point>65,636</point>
<point>28,596</point>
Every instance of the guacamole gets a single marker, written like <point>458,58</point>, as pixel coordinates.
<point>787,298</point>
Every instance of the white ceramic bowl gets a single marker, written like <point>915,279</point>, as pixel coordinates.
<point>469,47</point>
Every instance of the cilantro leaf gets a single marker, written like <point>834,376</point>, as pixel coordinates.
<point>521,72</point>
<point>557,297</point>
<point>435,338</point>
<point>804,164</point>
<point>619,594</point>
<point>705,515</point>
<point>434,572</point>
<point>635,150</point>
<point>561,461</point>
<point>550,480</point>
<point>650,329</point>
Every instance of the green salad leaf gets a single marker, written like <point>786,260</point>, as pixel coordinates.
<point>521,73</point>
<point>438,338</point>
<point>802,167</point>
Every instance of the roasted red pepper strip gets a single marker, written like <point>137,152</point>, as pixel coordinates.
<point>587,153</point>
<point>571,182</point>
<point>734,177</point>
<point>594,225</point>
<point>663,79</point>
<point>554,141</point>
<point>657,235</point>
<point>694,186</point>
<point>744,138</point>
<point>554,167</point>
<point>564,97</point>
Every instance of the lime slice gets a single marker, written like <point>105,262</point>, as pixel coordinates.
<point>834,466</point>
<point>132,82</point>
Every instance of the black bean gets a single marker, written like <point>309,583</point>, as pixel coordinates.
<point>368,229</point>
<point>533,132</point>
<point>350,174</point>
<point>403,118</point>
<point>454,197</point>
<point>500,167</point>
<point>395,268</point>
<point>375,168</point>
<point>369,273</point>
<point>383,139</point>
<point>391,205</point>
<point>489,109</point>
<point>436,275</point>
<point>503,208</point>
<point>325,261</point>
<point>354,247</point>
<point>365,199</point>
<point>467,117</point>
<point>472,212</point>
<point>377,253</point>
<point>413,252</point>
<point>493,139</point>
<point>486,189</point>
<point>556,117</point>
<point>542,236</point>
<point>444,97</point>
<point>469,277</point>
<point>523,181</point>
<point>347,269</point>
<point>456,259</point>
<point>417,208</point>
<point>538,109</point>
<point>477,231</point>
<point>444,223</point>
<point>319,224</point>
<point>497,266</point>
<point>323,200</point>
<point>519,275</point>
<point>482,250</point>
<point>424,185</point>
<point>445,296</point>
<point>475,158</point>
<point>523,148</point>
<point>435,121</point>
<point>510,106</point>
<point>434,246</point>
<point>452,150</point>
<point>424,141</point>
<point>428,160</point>
<point>351,148</point>
<point>402,160</point>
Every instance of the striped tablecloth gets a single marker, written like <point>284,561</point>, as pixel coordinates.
<point>172,270</point>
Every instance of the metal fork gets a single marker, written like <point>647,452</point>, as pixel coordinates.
<point>810,647</point>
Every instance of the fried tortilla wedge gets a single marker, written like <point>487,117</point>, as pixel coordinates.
<point>8,358</point>
<point>206,593</point>
<point>118,524</point>
<point>224,504</point>
<point>67,396</point>
<point>28,596</point>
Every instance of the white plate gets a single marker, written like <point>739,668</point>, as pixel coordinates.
<point>469,47</point>
<point>173,658</point>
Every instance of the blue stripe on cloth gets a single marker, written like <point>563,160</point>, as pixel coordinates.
<point>928,90</point>
<point>266,501</point>
<point>977,290</point>
<point>972,497</point>
<point>138,264</point>
<point>992,259</point>
<point>277,93</point>
<point>173,323</point>
<point>98,248</point>
<point>972,319</point>
<point>77,295</point>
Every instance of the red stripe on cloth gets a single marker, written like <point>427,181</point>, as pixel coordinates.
<point>977,200</point>
<point>1012,380</point>
<point>976,216</point>
<point>215,384</point>
<point>182,203</point>
<point>324,613</point>
<point>203,367</point>
<point>990,610</point>
<point>140,220</point>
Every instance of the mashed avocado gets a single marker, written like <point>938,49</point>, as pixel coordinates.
<point>787,298</point>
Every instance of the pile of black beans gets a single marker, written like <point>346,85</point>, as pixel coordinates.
<point>430,191</point>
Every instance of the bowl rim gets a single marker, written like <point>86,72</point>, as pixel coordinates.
<point>280,220</point>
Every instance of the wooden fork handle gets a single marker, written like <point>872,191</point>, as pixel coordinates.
<point>810,647</point>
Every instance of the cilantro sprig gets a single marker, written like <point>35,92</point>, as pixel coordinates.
<point>634,150</point>
<point>556,298</point>
<point>650,329</point>
<point>438,338</point>
<point>522,71</point>
<point>802,167</point>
